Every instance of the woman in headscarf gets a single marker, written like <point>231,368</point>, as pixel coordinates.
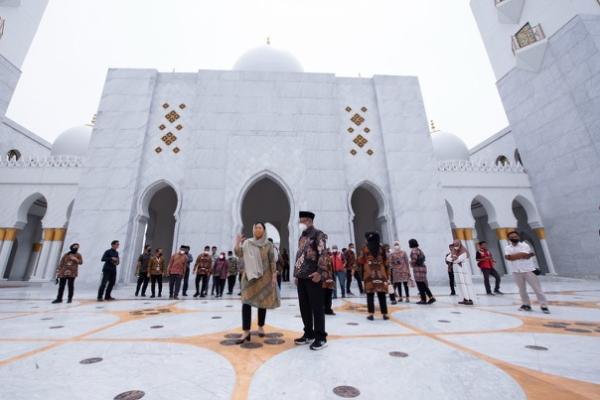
<point>259,278</point>
<point>459,257</point>
<point>220,273</point>
<point>67,272</point>
<point>417,262</point>
<point>373,259</point>
<point>400,271</point>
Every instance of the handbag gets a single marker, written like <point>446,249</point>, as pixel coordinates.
<point>537,271</point>
<point>391,289</point>
<point>411,282</point>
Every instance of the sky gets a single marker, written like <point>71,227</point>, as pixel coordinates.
<point>436,40</point>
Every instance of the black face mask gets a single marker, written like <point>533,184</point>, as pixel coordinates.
<point>514,241</point>
<point>74,249</point>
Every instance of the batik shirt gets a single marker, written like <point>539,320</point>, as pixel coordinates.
<point>312,255</point>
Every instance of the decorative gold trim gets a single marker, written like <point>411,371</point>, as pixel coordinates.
<point>10,234</point>
<point>48,234</point>
<point>501,233</point>
<point>2,233</point>
<point>540,233</point>
<point>357,119</point>
<point>360,141</point>
<point>36,248</point>
<point>59,234</point>
<point>172,116</point>
<point>460,233</point>
<point>468,233</point>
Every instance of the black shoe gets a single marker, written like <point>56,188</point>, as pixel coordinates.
<point>246,338</point>
<point>57,301</point>
<point>159,295</point>
<point>371,318</point>
<point>329,312</point>
<point>452,293</point>
<point>497,291</point>
<point>176,297</point>
<point>431,300</point>
<point>343,296</point>
<point>490,293</point>
<point>465,302</point>
<point>70,301</point>
<point>421,302</point>
<point>394,302</point>
<point>350,293</point>
<point>303,341</point>
<point>318,345</point>
<point>407,300</point>
<point>525,308</point>
<point>184,294</point>
<point>385,317</point>
<point>202,295</point>
<point>143,294</point>
<point>99,299</point>
<point>109,298</point>
<point>196,294</point>
<point>545,310</point>
<point>261,334</point>
<point>153,296</point>
<point>136,295</point>
<point>229,293</point>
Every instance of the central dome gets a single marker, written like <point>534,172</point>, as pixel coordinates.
<point>448,146</point>
<point>267,58</point>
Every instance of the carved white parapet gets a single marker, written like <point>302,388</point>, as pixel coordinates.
<point>42,162</point>
<point>479,166</point>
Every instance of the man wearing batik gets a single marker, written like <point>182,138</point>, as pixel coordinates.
<point>309,270</point>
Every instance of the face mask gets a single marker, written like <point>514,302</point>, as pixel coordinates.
<point>221,257</point>
<point>456,247</point>
<point>181,252</point>
<point>302,227</point>
<point>397,247</point>
<point>514,241</point>
<point>74,249</point>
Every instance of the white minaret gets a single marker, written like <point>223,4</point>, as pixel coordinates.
<point>19,21</point>
<point>546,57</point>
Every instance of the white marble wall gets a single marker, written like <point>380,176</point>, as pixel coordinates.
<point>555,118</point>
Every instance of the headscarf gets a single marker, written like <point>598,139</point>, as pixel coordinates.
<point>252,257</point>
<point>397,249</point>
<point>373,243</point>
<point>462,249</point>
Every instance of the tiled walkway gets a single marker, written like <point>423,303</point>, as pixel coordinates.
<point>159,349</point>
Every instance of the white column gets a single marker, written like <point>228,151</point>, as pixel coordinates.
<point>8,239</point>
<point>40,268</point>
<point>470,245</point>
<point>541,234</point>
<point>54,254</point>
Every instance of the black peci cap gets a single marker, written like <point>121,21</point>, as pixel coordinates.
<point>307,214</point>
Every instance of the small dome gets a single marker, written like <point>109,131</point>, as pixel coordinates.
<point>448,146</point>
<point>268,58</point>
<point>72,142</point>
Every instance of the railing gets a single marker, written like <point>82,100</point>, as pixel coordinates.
<point>526,36</point>
<point>478,166</point>
<point>41,162</point>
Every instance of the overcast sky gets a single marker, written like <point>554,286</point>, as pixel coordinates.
<point>436,40</point>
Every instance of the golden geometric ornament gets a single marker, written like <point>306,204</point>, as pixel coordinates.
<point>162,127</point>
<point>179,127</point>
<point>157,150</point>
<point>364,109</point>
<point>172,116</point>
<point>360,141</point>
<point>348,109</point>
<point>176,150</point>
<point>169,138</point>
<point>370,152</point>
<point>350,130</point>
<point>182,106</point>
<point>366,130</point>
<point>166,105</point>
<point>357,119</point>
<point>353,152</point>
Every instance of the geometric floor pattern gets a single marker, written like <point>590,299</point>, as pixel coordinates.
<point>145,348</point>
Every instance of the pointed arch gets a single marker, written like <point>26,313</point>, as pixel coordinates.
<point>488,207</point>
<point>376,191</point>
<point>25,206</point>
<point>148,194</point>
<point>533,217</point>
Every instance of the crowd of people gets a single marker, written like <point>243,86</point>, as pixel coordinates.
<point>319,271</point>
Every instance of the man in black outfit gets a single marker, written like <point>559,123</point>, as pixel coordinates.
<point>186,276</point>
<point>141,271</point>
<point>310,267</point>
<point>109,271</point>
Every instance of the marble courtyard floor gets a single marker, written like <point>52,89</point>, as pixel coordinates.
<point>159,349</point>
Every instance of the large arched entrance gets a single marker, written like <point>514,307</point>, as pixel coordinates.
<point>368,214</point>
<point>528,235</point>
<point>27,245</point>
<point>481,210</point>
<point>266,201</point>
<point>160,229</point>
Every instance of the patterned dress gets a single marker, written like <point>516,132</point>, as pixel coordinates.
<point>261,292</point>
<point>375,273</point>
<point>69,265</point>
<point>399,267</point>
<point>419,271</point>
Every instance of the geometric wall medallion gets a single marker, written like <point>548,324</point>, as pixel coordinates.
<point>353,152</point>
<point>366,130</point>
<point>360,141</point>
<point>158,150</point>
<point>162,127</point>
<point>350,130</point>
<point>363,109</point>
<point>348,109</point>
<point>370,152</point>
<point>179,127</point>
<point>182,106</point>
<point>166,105</point>
<point>172,116</point>
<point>169,138</point>
<point>357,119</point>
<point>176,150</point>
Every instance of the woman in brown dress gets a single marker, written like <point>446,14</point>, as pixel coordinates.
<point>400,272</point>
<point>67,272</point>
<point>259,279</point>
<point>373,260</point>
<point>417,262</point>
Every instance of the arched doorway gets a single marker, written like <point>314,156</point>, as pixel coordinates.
<point>160,229</point>
<point>27,245</point>
<point>367,210</point>
<point>481,209</point>
<point>528,235</point>
<point>266,201</point>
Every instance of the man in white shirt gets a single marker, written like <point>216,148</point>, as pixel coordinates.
<point>518,255</point>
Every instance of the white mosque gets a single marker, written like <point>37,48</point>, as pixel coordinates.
<point>194,158</point>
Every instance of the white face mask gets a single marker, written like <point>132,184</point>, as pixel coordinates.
<point>302,226</point>
<point>397,247</point>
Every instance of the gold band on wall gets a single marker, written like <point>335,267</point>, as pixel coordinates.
<point>48,234</point>
<point>59,234</point>
<point>540,233</point>
<point>460,233</point>
<point>10,234</point>
<point>2,233</point>
<point>501,233</point>
<point>468,233</point>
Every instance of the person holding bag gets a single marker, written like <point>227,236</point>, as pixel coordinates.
<point>328,284</point>
<point>400,272</point>
<point>373,260</point>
